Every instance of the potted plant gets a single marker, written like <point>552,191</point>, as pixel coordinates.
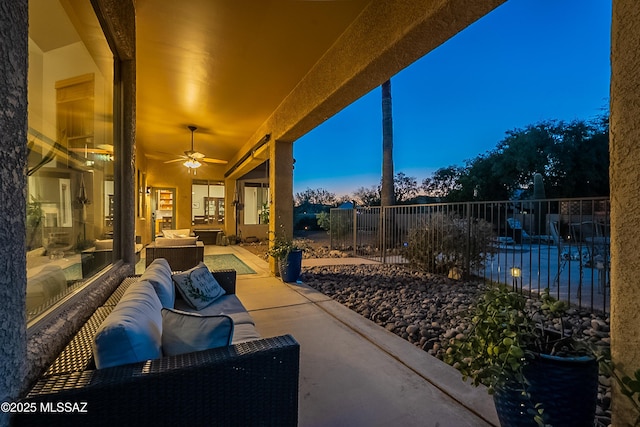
<point>35,215</point>
<point>537,375</point>
<point>288,255</point>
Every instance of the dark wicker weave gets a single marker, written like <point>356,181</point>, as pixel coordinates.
<point>77,356</point>
<point>249,384</point>
<point>179,257</point>
<point>253,383</point>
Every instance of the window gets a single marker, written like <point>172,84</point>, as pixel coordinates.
<point>70,142</point>
<point>207,203</point>
<point>256,203</point>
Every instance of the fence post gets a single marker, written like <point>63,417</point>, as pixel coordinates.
<point>467,272</point>
<point>383,233</point>
<point>355,230</point>
<point>331,228</point>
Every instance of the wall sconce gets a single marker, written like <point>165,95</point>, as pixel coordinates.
<point>148,191</point>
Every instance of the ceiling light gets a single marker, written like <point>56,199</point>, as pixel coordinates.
<point>192,163</point>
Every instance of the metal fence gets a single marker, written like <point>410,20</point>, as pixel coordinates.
<point>559,244</point>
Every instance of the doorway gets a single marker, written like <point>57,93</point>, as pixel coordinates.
<point>163,210</point>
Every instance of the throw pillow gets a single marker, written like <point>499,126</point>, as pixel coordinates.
<point>197,286</point>
<point>184,332</point>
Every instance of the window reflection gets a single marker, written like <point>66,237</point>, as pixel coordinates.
<point>207,203</point>
<point>256,203</point>
<point>70,144</point>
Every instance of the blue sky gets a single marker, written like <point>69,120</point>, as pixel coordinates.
<point>527,61</point>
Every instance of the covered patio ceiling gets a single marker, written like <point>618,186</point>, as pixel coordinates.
<point>239,70</point>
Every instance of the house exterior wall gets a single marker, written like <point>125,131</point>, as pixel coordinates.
<point>304,110</point>
<point>624,175</point>
<point>13,159</point>
<point>24,354</point>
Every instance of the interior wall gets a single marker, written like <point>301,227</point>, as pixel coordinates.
<point>143,212</point>
<point>175,175</point>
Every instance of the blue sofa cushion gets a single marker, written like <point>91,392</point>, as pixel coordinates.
<point>158,273</point>
<point>133,330</point>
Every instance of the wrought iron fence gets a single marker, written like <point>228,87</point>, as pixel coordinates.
<point>559,244</point>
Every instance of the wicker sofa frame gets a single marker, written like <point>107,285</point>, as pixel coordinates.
<point>180,258</point>
<point>252,383</point>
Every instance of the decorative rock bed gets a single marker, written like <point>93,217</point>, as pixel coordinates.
<point>428,310</point>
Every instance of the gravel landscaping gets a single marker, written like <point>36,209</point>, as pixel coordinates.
<point>428,310</point>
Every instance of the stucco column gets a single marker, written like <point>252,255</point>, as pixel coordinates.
<point>127,217</point>
<point>13,161</point>
<point>281,192</point>
<point>625,198</point>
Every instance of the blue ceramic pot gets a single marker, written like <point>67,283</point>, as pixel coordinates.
<point>290,268</point>
<point>566,387</point>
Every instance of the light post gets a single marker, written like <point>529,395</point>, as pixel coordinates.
<point>516,273</point>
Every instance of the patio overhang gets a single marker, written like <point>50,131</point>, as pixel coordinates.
<point>244,70</point>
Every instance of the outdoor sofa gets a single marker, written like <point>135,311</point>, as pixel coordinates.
<point>182,253</point>
<point>252,381</point>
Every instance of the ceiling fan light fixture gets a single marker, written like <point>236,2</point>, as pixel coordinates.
<point>192,164</point>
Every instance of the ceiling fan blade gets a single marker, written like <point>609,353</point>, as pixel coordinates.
<point>194,154</point>
<point>106,147</point>
<point>89,150</point>
<point>175,160</point>
<point>217,161</point>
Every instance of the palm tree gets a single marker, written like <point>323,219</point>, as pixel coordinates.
<point>387,191</point>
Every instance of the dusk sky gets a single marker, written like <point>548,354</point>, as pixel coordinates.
<point>527,61</point>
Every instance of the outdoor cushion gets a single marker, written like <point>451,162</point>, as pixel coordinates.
<point>101,245</point>
<point>175,241</point>
<point>184,332</point>
<point>158,273</point>
<point>133,330</point>
<point>46,284</point>
<point>243,333</point>
<point>197,286</point>
<point>181,232</point>
<point>226,304</point>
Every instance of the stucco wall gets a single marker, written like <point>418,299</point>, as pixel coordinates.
<point>625,197</point>
<point>13,159</point>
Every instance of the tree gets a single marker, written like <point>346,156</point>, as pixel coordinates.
<point>580,160</point>
<point>443,182</point>
<point>311,199</point>
<point>367,196</point>
<point>406,187</point>
<point>387,193</point>
<point>573,159</point>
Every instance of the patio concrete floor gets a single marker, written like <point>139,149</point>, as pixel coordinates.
<point>352,371</point>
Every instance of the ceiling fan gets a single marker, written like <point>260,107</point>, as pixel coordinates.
<point>193,159</point>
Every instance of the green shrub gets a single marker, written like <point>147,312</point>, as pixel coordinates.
<point>445,242</point>
<point>324,220</point>
<point>341,226</point>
